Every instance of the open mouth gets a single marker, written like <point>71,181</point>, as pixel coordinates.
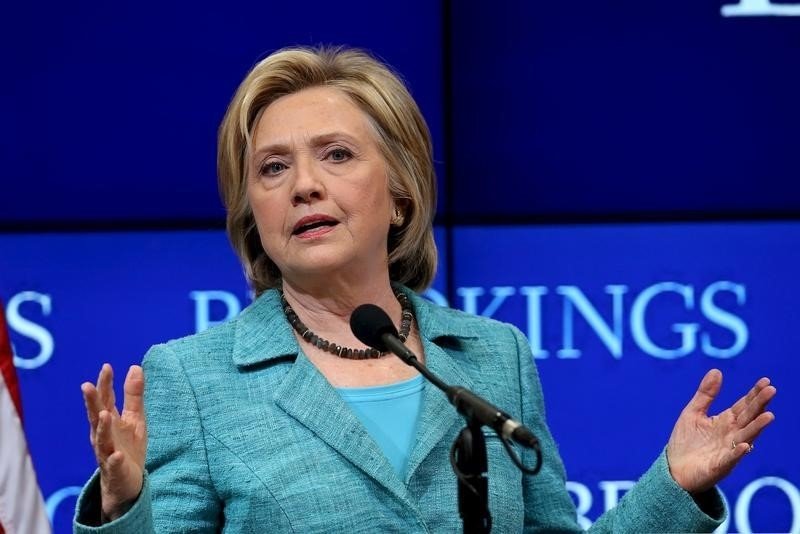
<point>306,226</point>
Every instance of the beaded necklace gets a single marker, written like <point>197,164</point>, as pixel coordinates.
<point>307,335</point>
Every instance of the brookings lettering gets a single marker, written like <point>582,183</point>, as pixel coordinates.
<point>760,8</point>
<point>38,305</point>
<point>610,491</point>
<point>709,327</point>
<point>741,512</point>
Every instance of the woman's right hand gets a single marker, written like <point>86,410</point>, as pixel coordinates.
<point>119,440</point>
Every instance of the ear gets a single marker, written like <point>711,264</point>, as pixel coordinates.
<point>398,214</point>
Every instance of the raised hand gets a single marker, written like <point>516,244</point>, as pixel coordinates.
<point>119,440</point>
<point>703,449</point>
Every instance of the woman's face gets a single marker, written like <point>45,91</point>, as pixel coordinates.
<point>318,187</point>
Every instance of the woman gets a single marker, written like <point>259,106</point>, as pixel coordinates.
<point>266,422</point>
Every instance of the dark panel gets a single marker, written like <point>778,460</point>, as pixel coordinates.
<point>111,110</point>
<point>565,109</point>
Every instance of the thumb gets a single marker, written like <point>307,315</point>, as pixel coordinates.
<point>706,392</point>
<point>133,404</point>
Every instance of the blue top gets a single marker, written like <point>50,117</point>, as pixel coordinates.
<point>389,413</point>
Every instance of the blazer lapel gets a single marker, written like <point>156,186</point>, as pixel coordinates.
<point>263,335</point>
<point>309,398</point>
<point>437,415</point>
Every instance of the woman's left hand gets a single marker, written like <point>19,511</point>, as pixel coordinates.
<point>703,449</point>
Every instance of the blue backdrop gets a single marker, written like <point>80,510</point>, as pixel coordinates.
<point>624,107</point>
<point>111,110</point>
<point>619,181</point>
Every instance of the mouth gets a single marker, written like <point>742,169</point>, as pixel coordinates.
<point>313,224</point>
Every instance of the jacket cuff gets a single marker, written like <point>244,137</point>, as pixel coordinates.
<point>705,511</point>
<point>87,512</point>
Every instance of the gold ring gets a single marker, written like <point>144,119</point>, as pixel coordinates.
<point>733,444</point>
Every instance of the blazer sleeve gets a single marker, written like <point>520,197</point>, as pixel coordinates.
<point>655,504</point>
<point>178,494</point>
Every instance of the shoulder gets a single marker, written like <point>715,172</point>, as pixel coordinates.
<point>215,341</point>
<point>484,349</point>
<point>437,321</point>
<point>260,326</point>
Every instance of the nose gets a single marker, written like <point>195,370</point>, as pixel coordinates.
<point>308,185</point>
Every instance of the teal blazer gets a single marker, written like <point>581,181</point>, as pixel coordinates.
<point>247,436</point>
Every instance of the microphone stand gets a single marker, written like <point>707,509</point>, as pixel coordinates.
<point>372,326</point>
<point>468,454</point>
<point>470,464</point>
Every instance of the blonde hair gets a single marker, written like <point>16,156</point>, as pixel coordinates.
<point>402,136</point>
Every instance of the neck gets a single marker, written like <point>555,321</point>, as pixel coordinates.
<point>325,308</point>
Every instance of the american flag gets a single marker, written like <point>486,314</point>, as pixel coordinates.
<point>21,505</point>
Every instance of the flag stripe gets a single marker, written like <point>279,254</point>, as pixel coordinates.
<point>7,363</point>
<point>22,508</point>
<point>21,505</point>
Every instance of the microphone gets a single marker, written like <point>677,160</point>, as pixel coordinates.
<point>373,327</point>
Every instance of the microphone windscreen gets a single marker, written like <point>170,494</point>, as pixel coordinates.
<point>369,323</point>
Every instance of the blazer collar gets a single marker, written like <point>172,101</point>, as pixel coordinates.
<point>262,333</point>
<point>435,322</point>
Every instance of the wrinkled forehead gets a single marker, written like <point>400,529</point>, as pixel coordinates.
<point>309,115</point>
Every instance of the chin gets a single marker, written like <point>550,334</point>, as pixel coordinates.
<point>320,266</point>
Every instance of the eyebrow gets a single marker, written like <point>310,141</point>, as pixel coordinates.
<point>315,141</point>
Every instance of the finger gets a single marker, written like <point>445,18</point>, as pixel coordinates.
<point>706,392</point>
<point>111,470</point>
<point>740,450</point>
<point>105,385</point>
<point>756,406</point>
<point>742,403</point>
<point>104,441</point>
<point>92,402</point>
<point>751,432</point>
<point>133,403</point>
<point>113,464</point>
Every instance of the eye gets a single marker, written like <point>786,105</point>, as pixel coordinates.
<point>339,155</point>
<point>272,168</point>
